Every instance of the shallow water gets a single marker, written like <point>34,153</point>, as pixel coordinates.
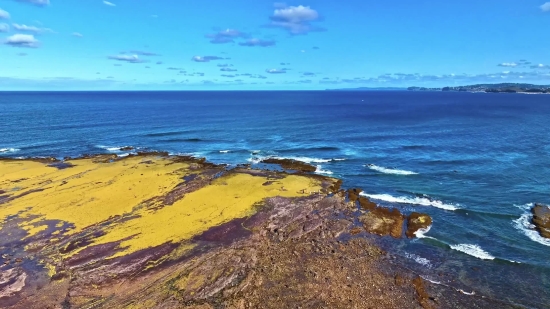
<point>474,161</point>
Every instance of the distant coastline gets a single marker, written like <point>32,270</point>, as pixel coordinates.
<point>492,88</point>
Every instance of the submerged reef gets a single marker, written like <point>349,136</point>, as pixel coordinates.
<point>158,231</point>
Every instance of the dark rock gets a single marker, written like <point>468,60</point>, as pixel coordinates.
<point>353,194</point>
<point>541,219</point>
<point>126,148</point>
<point>417,221</point>
<point>291,164</point>
<point>366,203</point>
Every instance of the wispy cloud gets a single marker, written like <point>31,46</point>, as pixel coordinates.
<point>143,53</point>
<point>127,58</point>
<point>228,70</point>
<point>258,42</point>
<point>22,40</point>
<point>77,34</point>
<point>225,36</point>
<point>4,14</point>
<point>508,64</point>
<point>4,27</point>
<point>31,29</point>
<point>276,71</point>
<point>206,58</point>
<point>545,7</point>
<point>540,66</point>
<point>295,19</point>
<point>36,2</point>
<point>109,3</point>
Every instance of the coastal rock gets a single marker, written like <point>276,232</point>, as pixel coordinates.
<point>353,194</point>
<point>383,221</point>
<point>366,203</point>
<point>417,221</point>
<point>541,219</point>
<point>126,148</point>
<point>291,164</point>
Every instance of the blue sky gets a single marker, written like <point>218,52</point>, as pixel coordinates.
<point>245,44</point>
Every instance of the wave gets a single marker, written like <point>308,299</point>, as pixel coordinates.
<point>298,150</point>
<point>116,149</point>
<point>319,170</point>
<point>181,140</point>
<point>225,151</point>
<point>420,260</point>
<point>389,170</point>
<point>9,150</point>
<point>524,225</point>
<point>473,250</point>
<point>258,159</point>
<point>423,201</point>
<point>421,233</point>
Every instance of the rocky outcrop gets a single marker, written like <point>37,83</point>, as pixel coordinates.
<point>541,219</point>
<point>417,221</point>
<point>383,221</point>
<point>290,164</point>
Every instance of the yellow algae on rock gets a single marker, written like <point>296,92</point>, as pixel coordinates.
<point>227,198</point>
<point>87,193</point>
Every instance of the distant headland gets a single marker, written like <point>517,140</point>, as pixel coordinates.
<point>493,88</point>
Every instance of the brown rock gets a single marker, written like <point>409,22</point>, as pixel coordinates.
<point>291,164</point>
<point>353,194</point>
<point>417,221</point>
<point>383,221</point>
<point>541,219</point>
<point>366,203</point>
<point>126,148</point>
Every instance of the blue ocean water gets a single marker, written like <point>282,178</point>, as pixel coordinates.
<point>476,162</point>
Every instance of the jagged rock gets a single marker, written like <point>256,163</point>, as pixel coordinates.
<point>126,148</point>
<point>383,221</point>
<point>541,219</point>
<point>353,194</point>
<point>291,164</point>
<point>366,203</point>
<point>417,221</point>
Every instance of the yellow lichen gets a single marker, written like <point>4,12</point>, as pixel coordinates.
<point>91,192</point>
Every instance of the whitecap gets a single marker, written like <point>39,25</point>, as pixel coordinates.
<point>225,151</point>
<point>418,259</point>
<point>306,159</point>
<point>466,293</point>
<point>526,206</point>
<point>111,148</point>
<point>319,170</point>
<point>473,250</point>
<point>423,201</point>
<point>339,159</point>
<point>385,170</point>
<point>524,225</point>
<point>421,233</point>
<point>430,280</point>
<point>9,150</point>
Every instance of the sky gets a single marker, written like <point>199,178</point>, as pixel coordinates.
<point>266,45</point>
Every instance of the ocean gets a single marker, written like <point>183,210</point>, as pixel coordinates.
<point>475,162</point>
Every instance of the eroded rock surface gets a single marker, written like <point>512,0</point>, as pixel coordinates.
<point>291,164</point>
<point>541,219</point>
<point>417,221</point>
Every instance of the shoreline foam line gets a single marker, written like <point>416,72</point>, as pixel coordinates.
<point>422,201</point>
<point>389,171</point>
<point>473,250</point>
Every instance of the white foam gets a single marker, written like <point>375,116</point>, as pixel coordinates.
<point>225,151</point>
<point>411,200</point>
<point>339,159</point>
<point>420,260</point>
<point>524,225</point>
<point>319,170</point>
<point>385,170</point>
<point>466,293</point>
<point>526,206</point>
<point>111,148</point>
<point>421,233</point>
<point>473,250</point>
<point>9,150</point>
<point>430,280</point>
<point>307,159</point>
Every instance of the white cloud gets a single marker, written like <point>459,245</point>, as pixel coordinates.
<point>4,27</point>
<point>4,14</point>
<point>545,7</point>
<point>109,3</point>
<point>77,34</point>
<point>22,40</point>
<point>32,29</point>
<point>275,71</point>
<point>127,58</point>
<point>508,64</point>
<point>295,19</point>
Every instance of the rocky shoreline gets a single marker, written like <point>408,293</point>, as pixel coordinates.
<point>157,231</point>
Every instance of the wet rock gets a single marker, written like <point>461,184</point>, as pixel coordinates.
<point>383,221</point>
<point>541,219</point>
<point>291,164</point>
<point>417,221</point>
<point>126,148</point>
<point>12,281</point>
<point>366,203</point>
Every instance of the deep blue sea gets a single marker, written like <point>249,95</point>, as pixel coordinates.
<point>476,162</point>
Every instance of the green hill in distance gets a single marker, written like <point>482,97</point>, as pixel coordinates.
<point>493,88</point>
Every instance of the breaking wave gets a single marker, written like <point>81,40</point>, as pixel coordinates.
<point>418,259</point>
<point>385,170</point>
<point>8,150</point>
<point>423,201</point>
<point>473,250</point>
<point>524,225</point>
<point>322,171</point>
